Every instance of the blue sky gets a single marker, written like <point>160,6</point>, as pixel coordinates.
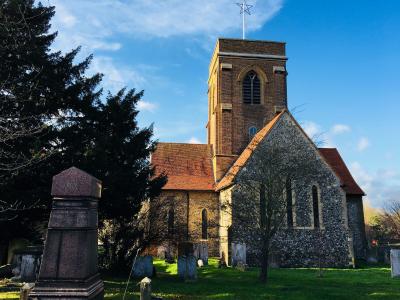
<point>344,62</point>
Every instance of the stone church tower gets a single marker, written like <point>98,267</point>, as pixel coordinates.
<point>247,109</point>
<point>246,89</point>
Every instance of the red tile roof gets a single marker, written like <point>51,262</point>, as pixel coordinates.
<point>334,159</point>
<point>188,166</point>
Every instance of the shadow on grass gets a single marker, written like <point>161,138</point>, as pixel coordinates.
<point>214,283</point>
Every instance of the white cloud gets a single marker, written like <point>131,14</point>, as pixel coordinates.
<point>315,132</point>
<point>340,128</point>
<point>363,144</point>
<point>381,187</point>
<point>312,129</point>
<point>171,130</point>
<point>147,106</point>
<point>103,24</point>
<point>194,140</point>
<point>116,76</point>
<point>144,18</point>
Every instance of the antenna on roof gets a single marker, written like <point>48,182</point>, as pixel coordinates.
<point>244,9</point>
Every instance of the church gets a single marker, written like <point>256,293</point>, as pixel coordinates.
<point>248,111</point>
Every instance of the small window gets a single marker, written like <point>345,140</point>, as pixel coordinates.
<point>289,203</point>
<point>315,199</point>
<point>252,132</point>
<point>251,88</point>
<point>204,224</point>
<point>171,222</point>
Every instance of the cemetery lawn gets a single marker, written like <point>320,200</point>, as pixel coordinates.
<point>213,283</point>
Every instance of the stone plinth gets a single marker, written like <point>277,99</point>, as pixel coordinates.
<point>395,262</point>
<point>201,252</point>
<point>187,267</point>
<point>238,254</point>
<point>69,265</point>
<point>143,267</point>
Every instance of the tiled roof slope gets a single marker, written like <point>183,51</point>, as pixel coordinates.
<point>188,166</point>
<point>330,155</point>
<point>334,159</point>
<point>227,180</point>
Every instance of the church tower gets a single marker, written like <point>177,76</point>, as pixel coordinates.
<point>246,89</point>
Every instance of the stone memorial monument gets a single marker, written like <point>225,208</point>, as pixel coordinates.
<point>69,265</point>
<point>143,267</point>
<point>187,262</point>
<point>395,262</point>
<point>187,267</point>
<point>238,254</point>
<point>201,252</point>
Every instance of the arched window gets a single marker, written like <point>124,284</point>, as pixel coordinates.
<point>251,88</point>
<point>289,203</point>
<point>171,222</point>
<point>315,206</point>
<point>252,131</point>
<point>204,224</point>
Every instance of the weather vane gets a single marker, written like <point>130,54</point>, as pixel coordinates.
<point>244,9</point>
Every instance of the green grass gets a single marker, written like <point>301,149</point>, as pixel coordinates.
<point>214,283</point>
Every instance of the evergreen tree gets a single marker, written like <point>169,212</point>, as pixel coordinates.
<point>57,119</point>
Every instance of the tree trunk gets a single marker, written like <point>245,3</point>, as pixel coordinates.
<point>264,265</point>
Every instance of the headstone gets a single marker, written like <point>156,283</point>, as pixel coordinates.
<point>26,263</point>
<point>69,265</point>
<point>185,249</point>
<point>145,289</point>
<point>14,245</point>
<point>187,268</point>
<point>143,267</point>
<point>201,251</point>
<point>395,262</point>
<point>200,263</point>
<point>238,254</point>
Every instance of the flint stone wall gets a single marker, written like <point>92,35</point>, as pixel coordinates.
<point>355,214</point>
<point>301,245</point>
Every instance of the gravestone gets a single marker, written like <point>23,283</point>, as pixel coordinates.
<point>238,254</point>
<point>145,289</point>
<point>201,252</point>
<point>143,267</point>
<point>187,267</point>
<point>26,263</point>
<point>69,265</point>
<point>14,245</point>
<point>395,262</point>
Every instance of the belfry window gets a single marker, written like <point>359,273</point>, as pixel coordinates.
<point>251,88</point>
<point>315,200</point>
<point>204,224</point>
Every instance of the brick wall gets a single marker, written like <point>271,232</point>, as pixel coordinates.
<point>229,118</point>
